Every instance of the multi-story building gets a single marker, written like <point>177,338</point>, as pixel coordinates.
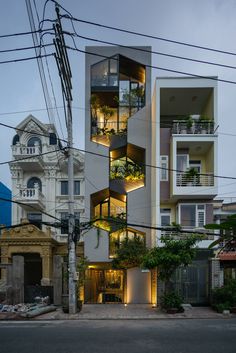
<point>40,195</point>
<point>184,149</point>
<point>40,183</point>
<point>117,182</point>
<point>5,206</point>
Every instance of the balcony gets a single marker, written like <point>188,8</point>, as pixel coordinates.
<point>183,127</point>
<point>31,198</point>
<point>184,180</point>
<point>113,134</point>
<point>33,158</point>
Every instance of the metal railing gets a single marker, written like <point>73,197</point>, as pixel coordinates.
<point>109,128</point>
<point>184,180</point>
<point>196,127</point>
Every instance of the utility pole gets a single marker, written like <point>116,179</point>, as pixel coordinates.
<point>65,75</point>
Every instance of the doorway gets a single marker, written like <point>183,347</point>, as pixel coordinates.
<point>104,286</point>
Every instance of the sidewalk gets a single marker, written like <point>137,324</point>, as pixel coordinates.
<point>131,312</point>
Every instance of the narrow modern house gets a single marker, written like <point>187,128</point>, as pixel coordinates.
<point>184,148</point>
<point>118,181</point>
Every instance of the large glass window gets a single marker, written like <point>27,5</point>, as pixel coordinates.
<point>192,216</point>
<point>116,238</point>
<point>104,73</point>
<point>109,208</point>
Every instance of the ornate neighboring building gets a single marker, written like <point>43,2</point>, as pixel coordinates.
<point>40,192</point>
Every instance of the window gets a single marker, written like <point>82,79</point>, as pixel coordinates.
<point>65,221</point>
<point>196,165</point>
<point>165,216</point>
<point>164,168</point>
<point>34,141</point>
<point>182,162</point>
<point>36,219</point>
<point>192,215</point>
<point>116,238</point>
<point>52,138</point>
<point>33,182</point>
<point>65,190</point>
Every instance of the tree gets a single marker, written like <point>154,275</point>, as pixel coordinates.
<point>130,253</point>
<point>107,114</point>
<point>170,256</point>
<point>227,236</point>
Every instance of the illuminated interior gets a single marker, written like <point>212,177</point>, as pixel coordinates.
<point>104,286</point>
<point>117,93</point>
<point>116,238</point>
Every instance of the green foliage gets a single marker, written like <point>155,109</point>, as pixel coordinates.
<point>171,255</point>
<point>224,298</point>
<point>227,233</point>
<point>130,253</point>
<point>171,300</point>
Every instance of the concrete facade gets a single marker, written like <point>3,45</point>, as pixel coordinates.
<point>110,78</point>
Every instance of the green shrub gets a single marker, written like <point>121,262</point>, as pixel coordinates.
<point>171,300</point>
<point>225,297</point>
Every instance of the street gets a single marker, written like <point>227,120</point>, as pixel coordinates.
<point>88,336</point>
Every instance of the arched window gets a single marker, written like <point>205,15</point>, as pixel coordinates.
<point>52,138</point>
<point>32,181</point>
<point>16,139</point>
<point>34,141</point>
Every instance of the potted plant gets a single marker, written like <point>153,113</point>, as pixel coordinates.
<point>191,176</point>
<point>95,105</point>
<point>204,124</point>
<point>189,124</point>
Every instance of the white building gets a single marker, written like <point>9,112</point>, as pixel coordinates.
<point>39,177</point>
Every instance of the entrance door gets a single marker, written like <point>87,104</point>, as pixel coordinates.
<point>192,283</point>
<point>104,286</point>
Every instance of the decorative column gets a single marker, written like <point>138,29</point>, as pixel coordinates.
<point>46,266</point>
<point>4,260</point>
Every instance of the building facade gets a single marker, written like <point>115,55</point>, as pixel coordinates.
<point>183,187</point>
<point>5,206</point>
<point>117,182</point>
<point>40,204</point>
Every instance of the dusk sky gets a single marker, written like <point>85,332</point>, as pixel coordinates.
<point>208,23</point>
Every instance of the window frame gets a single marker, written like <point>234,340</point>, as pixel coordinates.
<point>198,210</point>
<point>164,164</point>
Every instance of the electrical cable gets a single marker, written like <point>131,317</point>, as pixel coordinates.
<point>213,78</point>
<point>24,59</point>
<point>108,157</point>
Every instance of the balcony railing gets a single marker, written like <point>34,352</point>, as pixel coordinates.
<point>31,196</point>
<point>109,128</point>
<point>184,180</point>
<point>196,127</point>
<point>26,151</point>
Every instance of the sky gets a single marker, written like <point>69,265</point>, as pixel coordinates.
<point>208,23</point>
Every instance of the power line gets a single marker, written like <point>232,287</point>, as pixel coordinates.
<point>22,33</point>
<point>152,51</point>
<point>28,157</point>
<point>108,157</point>
<point>23,48</point>
<point>119,29</point>
<point>158,67</point>
<point>24,59</point>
